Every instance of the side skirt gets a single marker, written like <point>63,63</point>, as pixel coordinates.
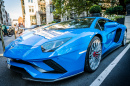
<point>109,51</point>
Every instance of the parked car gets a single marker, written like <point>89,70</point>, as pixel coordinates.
<point>64,49</point>
<point>10,31</point>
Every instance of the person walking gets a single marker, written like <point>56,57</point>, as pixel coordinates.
<point>4,28</point>
<point>16,29</point>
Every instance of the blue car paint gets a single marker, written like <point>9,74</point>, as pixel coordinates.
<point>28,48</point>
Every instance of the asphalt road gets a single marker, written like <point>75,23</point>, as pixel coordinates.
<point>119,76</point>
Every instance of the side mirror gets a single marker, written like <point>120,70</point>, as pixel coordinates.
<point>110,24</point>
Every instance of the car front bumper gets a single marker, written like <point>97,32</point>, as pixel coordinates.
<point>50,70</point>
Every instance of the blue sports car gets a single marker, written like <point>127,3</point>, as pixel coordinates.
<point>61,50</point>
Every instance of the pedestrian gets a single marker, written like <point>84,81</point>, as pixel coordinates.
<point>4,28</point>
<point>16,29</point>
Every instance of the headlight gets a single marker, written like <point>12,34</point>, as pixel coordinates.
<point>53,45</point>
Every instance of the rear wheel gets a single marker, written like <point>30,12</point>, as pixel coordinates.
<point>93,55</point>
<point>124,39</point>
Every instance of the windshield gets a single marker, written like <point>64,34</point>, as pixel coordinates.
<point>73,24</point>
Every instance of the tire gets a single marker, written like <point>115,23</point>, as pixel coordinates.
<point>93,55</point>
<point>124,39</point>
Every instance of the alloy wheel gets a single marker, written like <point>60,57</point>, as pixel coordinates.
<point>95,54</point>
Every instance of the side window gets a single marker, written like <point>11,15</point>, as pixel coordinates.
<point>102,23</point>
<point>97,26</point>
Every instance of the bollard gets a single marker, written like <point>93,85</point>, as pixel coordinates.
<point>3,45</point>
<point>14,33</point>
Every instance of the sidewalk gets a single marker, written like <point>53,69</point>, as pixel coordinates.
<point>128,35</point>
<point>127,24</point>
<point>7,40</point>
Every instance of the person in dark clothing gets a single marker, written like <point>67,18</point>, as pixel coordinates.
<point>4,30</point>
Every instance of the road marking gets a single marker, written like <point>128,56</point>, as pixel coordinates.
<point>98,81</point>
<point>1,54</point>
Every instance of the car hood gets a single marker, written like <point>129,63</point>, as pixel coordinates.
<point>28,45</point>
<point>38,37</point>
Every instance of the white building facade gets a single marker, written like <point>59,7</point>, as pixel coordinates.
<point>36,12</point>
<point>4,15</point>
<point>8,19</point>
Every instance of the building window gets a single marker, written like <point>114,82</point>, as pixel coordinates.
<point>30,1</point>
<point>33,20</point>
<point>3,10</point>
<point>31,9</point>
<point>42,7</point>
<point>23,2</point>
<point>3,16</point>
<point>24,10</point>
<point>51,8</point>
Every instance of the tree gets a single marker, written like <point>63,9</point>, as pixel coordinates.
<point>110,11</point>
<point>95,9</point>
<point>127,1</point>
<point>122,3</point>
<point>76,6</point>
<point>114,10</point>
<point>118,9</point>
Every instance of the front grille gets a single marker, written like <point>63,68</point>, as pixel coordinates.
<point>21,61</point>
<point>26,75</point>
<point>27,63</point>
<point>57,68</point>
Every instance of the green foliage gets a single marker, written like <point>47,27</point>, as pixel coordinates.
<point>52,22</point>
<point>118,9</point>
<point>95,9</point>
<point>114,10</point>
<point>118,17</point>
<point>110,11</point>
<point>44,24</point>
<point>114,18</point>
<point>69,6</point>
<point>127,1</point>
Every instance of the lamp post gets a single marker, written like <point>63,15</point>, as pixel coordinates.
<point>1,34</point>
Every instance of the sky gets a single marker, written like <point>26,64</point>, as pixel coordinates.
<point>13,7</point>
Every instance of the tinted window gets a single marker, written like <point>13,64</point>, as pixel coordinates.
<point>102,23</point>
<point>76,23</point>
<point>97,26</point>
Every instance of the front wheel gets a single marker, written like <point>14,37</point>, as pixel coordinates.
<point>93,55</point>
<point>124,39</point>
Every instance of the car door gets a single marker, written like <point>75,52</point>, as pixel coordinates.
<point>108,34</point>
